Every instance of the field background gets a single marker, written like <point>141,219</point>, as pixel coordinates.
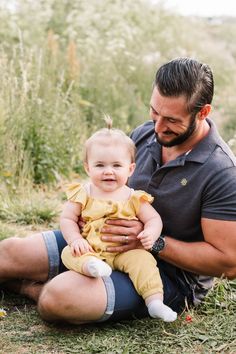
<point>63,64</point>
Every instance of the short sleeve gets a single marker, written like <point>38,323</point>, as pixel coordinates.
<point>219,198</point>
<point>76,192</point>
<point>140,196</point>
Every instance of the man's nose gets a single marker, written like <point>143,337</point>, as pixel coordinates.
<point>159,124</point>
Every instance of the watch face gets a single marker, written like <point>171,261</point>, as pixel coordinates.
<point>158,246</point>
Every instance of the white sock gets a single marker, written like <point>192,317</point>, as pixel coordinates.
<point>97,268</point>
<point>157,309</point>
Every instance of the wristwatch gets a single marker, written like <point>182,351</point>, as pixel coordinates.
<point>158,245</point>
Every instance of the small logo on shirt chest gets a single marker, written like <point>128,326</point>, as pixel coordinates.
<point>183,181</point>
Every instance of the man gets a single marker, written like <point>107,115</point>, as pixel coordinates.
<point>191,172</point>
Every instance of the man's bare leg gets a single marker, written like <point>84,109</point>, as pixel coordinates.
<point>24,258</point>
<point>68,297</point>
<point>28,288</point>
<point>73,298</point>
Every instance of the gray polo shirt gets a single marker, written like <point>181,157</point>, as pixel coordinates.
<point>201,183</point>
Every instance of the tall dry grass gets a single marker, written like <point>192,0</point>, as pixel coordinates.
<point>63,64</point>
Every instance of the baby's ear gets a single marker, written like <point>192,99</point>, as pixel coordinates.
<point>86,167</point>
<point>132,168</point>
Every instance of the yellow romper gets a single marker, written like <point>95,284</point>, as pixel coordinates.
<point>139,264</point>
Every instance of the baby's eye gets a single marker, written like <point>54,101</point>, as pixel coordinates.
<point>99,165</point>
<point>117,165</point>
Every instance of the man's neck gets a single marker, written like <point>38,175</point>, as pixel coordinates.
<point>171,153</point>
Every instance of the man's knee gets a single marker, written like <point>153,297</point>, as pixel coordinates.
<point>70,297</point>
<point>24,257</point>
<point>8,245</point>
<point>9,250</point>
<point>49,302</point>
<point>15,246</point>
<point>55,303</point>
<point>8,256</point>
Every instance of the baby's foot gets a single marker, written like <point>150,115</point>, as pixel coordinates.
<point>96,268</point>
<point>157,309</point>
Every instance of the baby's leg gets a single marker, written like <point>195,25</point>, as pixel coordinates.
<point>141,267</point>
<point>88,264</point>
<point>95,267</point>
<point>157,309</point>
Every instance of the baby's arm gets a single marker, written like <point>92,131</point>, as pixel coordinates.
<point>152,225</point>
<point>70,229</point>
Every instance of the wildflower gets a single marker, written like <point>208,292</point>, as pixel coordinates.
<point>2,313</point>
<point>188,318</point>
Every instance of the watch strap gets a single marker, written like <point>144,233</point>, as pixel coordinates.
<point>158,245</point>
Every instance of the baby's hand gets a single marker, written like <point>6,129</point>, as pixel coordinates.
<point>80,246</point>
<point>147,239</point>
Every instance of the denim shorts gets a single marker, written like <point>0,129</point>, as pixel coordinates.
<point>123,302</point>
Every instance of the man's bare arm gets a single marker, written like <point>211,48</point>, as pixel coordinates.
<point>215,256</point>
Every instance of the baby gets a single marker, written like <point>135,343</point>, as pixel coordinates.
<point>109,162</point>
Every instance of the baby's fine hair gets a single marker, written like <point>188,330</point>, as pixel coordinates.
<point>109,135</point>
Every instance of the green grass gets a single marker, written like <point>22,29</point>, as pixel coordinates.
<point>5,231</point>
<point>209,329</point>
<point>212,330</point>
<point>28,207</point>
<point>52,97</point>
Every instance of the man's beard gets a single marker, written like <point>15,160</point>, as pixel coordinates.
<point>180,138</point>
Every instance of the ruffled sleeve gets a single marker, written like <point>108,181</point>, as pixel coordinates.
<point>140,196</point>
<point>76,192</point>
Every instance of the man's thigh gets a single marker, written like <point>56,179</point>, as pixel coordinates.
<point>123,302</point>
<point>128,304</point>
<point>25,258</point>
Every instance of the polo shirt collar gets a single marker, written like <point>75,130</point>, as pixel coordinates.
<point>155,149</point>
<point>206,146</point>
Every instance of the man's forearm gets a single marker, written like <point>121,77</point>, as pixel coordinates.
<point>196,257</point>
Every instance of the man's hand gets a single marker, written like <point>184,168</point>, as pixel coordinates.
<point>124,232</point>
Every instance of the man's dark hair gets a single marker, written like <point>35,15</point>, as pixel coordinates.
<point>188,77</point>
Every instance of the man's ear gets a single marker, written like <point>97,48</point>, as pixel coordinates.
<point>132,168</point>
<point>204,112</point>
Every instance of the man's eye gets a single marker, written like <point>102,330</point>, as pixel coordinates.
<point>153,111</point>
<point>171,120</point>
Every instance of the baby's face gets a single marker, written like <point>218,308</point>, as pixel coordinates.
<point>109,166</point>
